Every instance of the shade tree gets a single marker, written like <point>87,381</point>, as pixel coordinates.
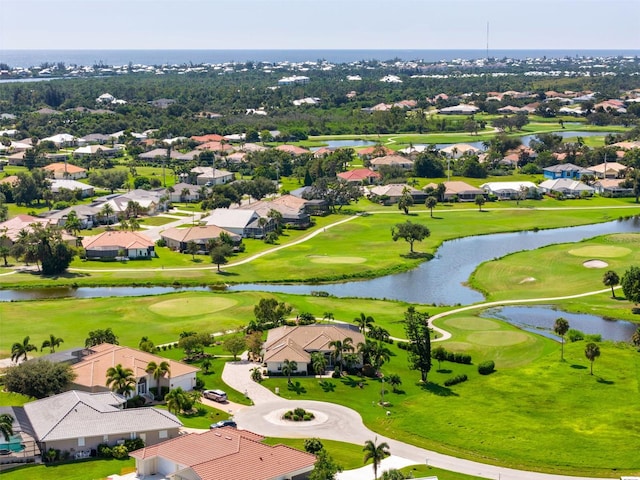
<point>410,233</point>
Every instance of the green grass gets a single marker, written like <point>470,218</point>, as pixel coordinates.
<point>8,399</point>
<point>534,412</point>
<point>347,455</point>
<point>78,470</point>
<point>419,471</point>
<point>510,276</point>
<point>202,418</point>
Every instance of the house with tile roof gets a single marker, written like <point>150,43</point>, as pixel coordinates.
<point>240,221</point>
<point>613,187</point>
<point>510,190</point>
<point>293,210</point>
<point>66,170</point>
<point>458,150</point>
<point>77,422</point>
<point>461,191</point>
<point>299,342</point>
<point>565,170</point>
<point>11,229</point>
<point>211,176</point>
<point>392,192</point>
<point>211,137</point>
<point>118,243</point>
<point>609,170</point>
<point>178,238</point>
<point>292,149</point>
<point>360,176</point>
<point>568,187</point>
<point>91,369</point>
<point>222,454</point>
<point>391,161</point>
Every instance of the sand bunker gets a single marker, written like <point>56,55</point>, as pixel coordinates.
<point>527,280</point>
<point>595,264</point>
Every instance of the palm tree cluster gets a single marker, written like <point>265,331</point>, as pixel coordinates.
<point>180,401</point>
<point>19,350</point>
<point>121,380</point>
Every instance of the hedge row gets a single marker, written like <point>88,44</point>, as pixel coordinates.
<point>455,380</point>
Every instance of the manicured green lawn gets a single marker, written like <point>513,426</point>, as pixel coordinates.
<point>347,455</point>
<point>8,399</point>
<point>533,412</point>
<point>79,470</point>
<point>419,471</point>
<point>539,273</point>
<point>203,418</point>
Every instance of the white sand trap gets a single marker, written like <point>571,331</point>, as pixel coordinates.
<point>595,264</point>
<point>527,280</point>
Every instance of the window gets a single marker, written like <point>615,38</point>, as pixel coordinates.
<point>163,434</point>
<point>134,435</point>
<point>105,439</point>
<point>143,437</point>
<point>142,386</point>
<point>81,441</point>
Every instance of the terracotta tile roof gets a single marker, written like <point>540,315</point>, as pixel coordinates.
<point>215,147</point>
<point>92,370</point>
<point>13,226</point>
<point>310,337</point>
<point>118,238</point>
<point>456,187</point>
<point>358,174</point>
<point>292,149</point>
<point>391,160</point>
<point>372,150</point>
<point>11,179</point>
<point>61,167</point>
<point>290,201</point>
<point>205,232</point>
<point>229,454</point>
<point>211,137</point>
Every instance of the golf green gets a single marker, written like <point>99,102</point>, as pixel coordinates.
<point>605,251</point>
<point>327,259</point>
<point>497,338</point>
<point>472,323</point>
<point>191,306</point>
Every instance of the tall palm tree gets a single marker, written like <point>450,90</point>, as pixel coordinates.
<point>176,400</point>
<point>591,351</point>
<point>318,363</point>
<point>121,380</point>
<point>20,350</point>
<point>339,348</point>
<point>611,279</point>
<point>561,327</point>
<point>6,426</point>
<point>53,343</point>
<point>158,371</point>
<point>288,367</point>
<point>364,322</point>
<point>431,203</point>
<point>377,453</point>
<point>379,355</point>
<point>106,212</point>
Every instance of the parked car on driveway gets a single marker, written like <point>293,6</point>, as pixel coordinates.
<point>215,395</point>
<point>224,423</point>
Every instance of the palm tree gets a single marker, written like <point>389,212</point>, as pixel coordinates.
<point>591,351</point>
<point>176,400</point>
<point>184,193</point>
<point>72,223</point>
<point>20,350</point>
<point>158,371</point>
<point>121,380</point>
<point>106,212</point>
<point>611,279</point>
<point>376,453</point>
<point>430,203</point>
<point>379,355</point>
<point>635,338</point>
<point>379,333</point>
<point>318,363</point>
<point>364,322</point>
<point>339,348</point>
<point>561,327</point>
<point>6,426</point>
<point>53,343</point>
<point>288,367</point>
<point>328,316</point>
<point>480,201</point>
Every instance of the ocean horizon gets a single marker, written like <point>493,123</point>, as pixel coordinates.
<point>34,58</point>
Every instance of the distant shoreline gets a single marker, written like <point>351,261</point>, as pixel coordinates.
<point>32,58</point>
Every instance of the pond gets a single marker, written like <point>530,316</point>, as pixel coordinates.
<point>440,281</point>
<point>345,143</point>
<point>540,320</point>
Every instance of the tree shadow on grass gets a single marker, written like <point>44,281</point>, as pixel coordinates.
<point>444,370</point>
<point>354,382</point>
<point>438,390</point>
<point>65,275</point>
<point>579,367</point>
<point>398,391</point>
<point>196,260</point>
<point>327,386</point>
<point>426,256</point>
<point>605,382</point>
<point>297,388</point>
<point>224,273</point>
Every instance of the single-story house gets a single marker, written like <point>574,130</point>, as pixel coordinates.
<point>510,190</point>
<point>460,109</point>
<point>293,209</point>
<point>10,229</point>
<point>73,185</point>
<point>394,191</point>
<point>185,192</point>
<point>89,150</point>
<point>211,137</point>
<point>566,186</point>
<point>87,215</point>
<point>391,161</point>
<point>459,190</point>
<point>93,138</point>
<point>61,140</point>
<point>77,422</point>
<point>150,201</point>
<point>244,222</point>
<point>611,187</point>
<point>211,176</point>
<point>458,150</point>
<point>368,152</point>
<point>178,238</point>
<point>565,170</point>
<point>292,149</point>
<point>360,176</point>
<point>159,153</point>
<point>91,369</point>
<point>609,170</point>
<point>298,343</point>
<point>118,243</point>
<point>222,454</point>
<point>66,171</point>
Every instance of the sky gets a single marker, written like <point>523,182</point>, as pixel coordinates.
<point>319,24</point>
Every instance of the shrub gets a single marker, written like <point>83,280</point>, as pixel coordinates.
<point>593,337</point>
<point>336,373</point>
<point>199,384</point>
<point>403,345</point>
<point>104,450</point>
<point>575,335</point>
<point>135,402</point>
<point>455,380</point>
<point>485,368</point>
<point>161,243</point>
<point>120,452</point>
<point>134,444</point>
